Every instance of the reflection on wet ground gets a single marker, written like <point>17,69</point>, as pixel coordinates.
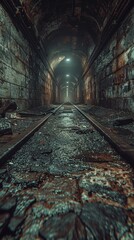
<point>66,183</point>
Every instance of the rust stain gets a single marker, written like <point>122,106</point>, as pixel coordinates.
<point>121,61</point>
<point>119,77</point>
<point>95,157</point>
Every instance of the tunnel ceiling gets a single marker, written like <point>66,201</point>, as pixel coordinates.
<point>70,28</point>
<point>69,25</point>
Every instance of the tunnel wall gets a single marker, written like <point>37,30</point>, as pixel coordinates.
<point>22,74</point>
<point>110,80</point>
<point>47,90</point>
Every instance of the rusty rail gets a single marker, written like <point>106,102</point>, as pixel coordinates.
<point>124,149</point>
<point>10,148</point>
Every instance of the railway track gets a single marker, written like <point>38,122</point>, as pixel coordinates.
<point>66,181</point>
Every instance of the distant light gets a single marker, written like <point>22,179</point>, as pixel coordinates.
<point>67,59</point>
<point>67,82</point>
<point>67,75</point>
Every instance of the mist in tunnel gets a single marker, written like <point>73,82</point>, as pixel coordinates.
<point>77,50</point>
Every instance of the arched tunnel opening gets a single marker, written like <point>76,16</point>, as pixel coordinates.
<point>66,119</point>
<point>91,41</point>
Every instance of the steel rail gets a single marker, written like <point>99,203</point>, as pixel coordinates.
<point>125,150</point>
<point>11,147</point>
<point>122,148</point>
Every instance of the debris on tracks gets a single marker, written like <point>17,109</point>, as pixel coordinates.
<point>7,106</point>
<point>122,121</point>
<point>37,112</point>
<point>68,186</point>
<point>84,131</point>
<point>5,127</point>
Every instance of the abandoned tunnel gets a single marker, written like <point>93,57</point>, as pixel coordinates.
<point>58,51</point>
<point>66,119</point>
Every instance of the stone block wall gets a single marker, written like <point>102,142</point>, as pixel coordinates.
<point>110,80</point>
<point>22,73</point>
<point>47,90</point>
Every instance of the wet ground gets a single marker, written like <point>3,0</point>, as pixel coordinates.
<point>66,183</point>
<point>22,120</point>
<point>107,117</point>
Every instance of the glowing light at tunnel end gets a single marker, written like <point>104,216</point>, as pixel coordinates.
<point>68,59</point>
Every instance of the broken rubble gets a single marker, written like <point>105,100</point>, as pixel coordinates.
<point>5,127</point>
<point>120,122</point>
<point>4,220</point>
<point>104,221</point>
<point>7,106</point>
<point>71,226</point>
<point>52,192</point>
<point>15,222</point>
<point>8,204</point>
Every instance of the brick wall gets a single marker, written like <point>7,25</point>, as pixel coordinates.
<point>110,81</point>
<point>22,74</point>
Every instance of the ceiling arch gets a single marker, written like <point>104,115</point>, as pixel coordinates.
<point>69,28</point>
